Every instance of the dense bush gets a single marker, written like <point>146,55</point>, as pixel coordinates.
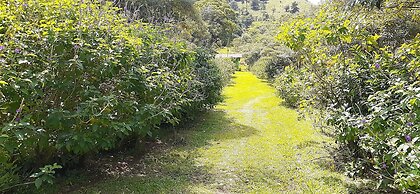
<point>270,66</point>
<point>227,68</point>
<point>291,86</point>
<point>209,78</point>
<point>265,57</point>
<point>383,131</point>
<point>179,18</point>
<point>366,82</point>
<point>77,78</point>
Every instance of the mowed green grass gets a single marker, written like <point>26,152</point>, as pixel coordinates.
<point>248,144</point>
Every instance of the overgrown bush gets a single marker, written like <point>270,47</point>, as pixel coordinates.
<point>291,86</point>
<point>265,57</point>
<point>227,68</point>
<point>209,80</point>
<point>366,83</point>
<point>381,129</point>
<point>77,78</point>
<point>270,66</point>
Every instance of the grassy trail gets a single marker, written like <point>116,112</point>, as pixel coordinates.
<point>248,144</point>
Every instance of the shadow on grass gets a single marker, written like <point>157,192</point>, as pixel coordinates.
<point>213,126</point>
<point>231,81</point>
<point>306,144</point>
<point>171,165</point>
<point>230,84</point>
<point>359,185</point>
<point>268,82</point>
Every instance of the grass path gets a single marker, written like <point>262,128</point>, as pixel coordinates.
<point>248,144</point>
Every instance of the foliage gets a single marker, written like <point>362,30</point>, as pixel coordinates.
<point>178,18</point>
<point>270,66</point>
<point>272,9</point>
<point>244,138</point>
<point>157,11</point>
<point>265,57</point>
<point>234,5</point>
<point>405,4</point>
<point>46,175</point>
<point>227,67</point>
<point>209,81</point>
<point>76,77</point>
<point>221,19</point>
<point>367,82</point>
<point>389,124</point>
<point>293,8</point>
<point>246,20</point>
<point>8,175</point>
<point>256,5</point>
<point>291,86</point>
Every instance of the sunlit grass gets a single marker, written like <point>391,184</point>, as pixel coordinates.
<point>282,155</point>
<point>248,144</point>
<point>224,50</point>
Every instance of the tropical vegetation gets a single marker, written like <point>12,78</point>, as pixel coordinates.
<point>80,78</point>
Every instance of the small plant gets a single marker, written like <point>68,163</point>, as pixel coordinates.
<point>46,175</point>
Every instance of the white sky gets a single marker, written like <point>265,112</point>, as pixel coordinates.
<point>316,2</point>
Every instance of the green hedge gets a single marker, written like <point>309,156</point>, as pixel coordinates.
<point>77,78</point>
<point>366,83</point>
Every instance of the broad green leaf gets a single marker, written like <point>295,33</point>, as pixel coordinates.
<point>38,183</point>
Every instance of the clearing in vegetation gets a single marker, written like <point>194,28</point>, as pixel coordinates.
<point>248,144</point>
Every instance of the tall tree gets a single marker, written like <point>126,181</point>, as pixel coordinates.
<point>158,10</point>
<point>255,5</point>
<point>181,15</point>
<point>222,20</point>
<point>293,8</point>
<point>401,4</point>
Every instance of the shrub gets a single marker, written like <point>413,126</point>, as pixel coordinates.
<point>290,87</point>
<point>77,78</point>
<point>8,175</point>
<point>227,67</point>
<point>366,83</point>
<point>270,66</point>
<point>383,132</point>
<point>208,81</point>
